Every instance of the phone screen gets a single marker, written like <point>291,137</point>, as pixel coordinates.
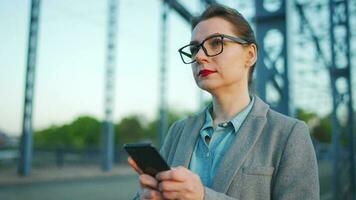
<point>147,158</point>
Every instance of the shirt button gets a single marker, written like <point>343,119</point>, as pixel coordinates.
<point>208,154</point>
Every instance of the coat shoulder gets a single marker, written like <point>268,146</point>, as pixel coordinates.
<point>279,121</point>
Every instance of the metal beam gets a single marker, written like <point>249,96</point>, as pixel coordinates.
<point>340,74</point>
<point>208,2</point>
<point>25,160</point>
<point>180,9</point>
<point>108,127</point>
<point>339,68</point>
<point>163,122</point>
<point>305,22</point>
<point>272,70</point>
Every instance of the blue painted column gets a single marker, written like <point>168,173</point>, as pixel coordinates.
<point>108,127</point>
<point>163,120</point>
<point>25,161</point>
<point>272,63</point>
<point>342,115</point>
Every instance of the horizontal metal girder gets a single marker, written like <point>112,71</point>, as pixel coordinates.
<point>180,9</point>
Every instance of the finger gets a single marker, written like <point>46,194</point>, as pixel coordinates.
<point>134,165</point>
<point>175,174</point>
<point>171,195</point>
<point>148,181</point>
<point>170,186</point>
<point>150,194</point>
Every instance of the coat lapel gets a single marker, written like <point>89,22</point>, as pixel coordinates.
<point>241,146</point>
<point>187,140</point>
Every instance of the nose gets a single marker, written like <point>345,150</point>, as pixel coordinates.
<point>201,57</point>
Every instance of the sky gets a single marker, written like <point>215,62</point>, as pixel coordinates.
<point>71,62</point>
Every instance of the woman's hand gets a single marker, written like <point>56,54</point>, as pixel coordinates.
<point>149,185</point>
<point>180,183</point>
<point>149,188</point>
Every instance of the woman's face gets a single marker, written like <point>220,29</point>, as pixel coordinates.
<point>227,70</point>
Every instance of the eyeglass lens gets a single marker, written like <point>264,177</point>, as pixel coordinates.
<point>211,47</point>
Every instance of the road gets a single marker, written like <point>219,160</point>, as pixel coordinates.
<point>103,188</point>
<point>91,183</point>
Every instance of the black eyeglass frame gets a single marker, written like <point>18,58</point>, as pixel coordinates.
<point>201,45</point>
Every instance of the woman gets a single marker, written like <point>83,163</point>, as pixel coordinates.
<point>237,148</point>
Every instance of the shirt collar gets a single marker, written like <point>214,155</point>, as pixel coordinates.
<point>236,121</point>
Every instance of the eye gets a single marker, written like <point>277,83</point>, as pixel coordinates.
<point>215,42</point>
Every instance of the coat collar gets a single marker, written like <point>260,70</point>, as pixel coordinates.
<point>235,155</point>
<point>188,138</point>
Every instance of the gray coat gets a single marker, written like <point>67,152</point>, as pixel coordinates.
<point>272,157</point>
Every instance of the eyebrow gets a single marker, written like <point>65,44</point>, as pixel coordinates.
<point>197,42</point>
<point>194,42</point>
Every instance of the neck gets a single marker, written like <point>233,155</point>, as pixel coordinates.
<point>228,104</point>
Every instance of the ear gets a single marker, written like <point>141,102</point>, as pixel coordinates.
<point>251,55</point>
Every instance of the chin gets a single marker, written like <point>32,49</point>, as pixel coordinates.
<point>209,87</point>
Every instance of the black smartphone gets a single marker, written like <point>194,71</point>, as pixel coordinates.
<point>147,158</point>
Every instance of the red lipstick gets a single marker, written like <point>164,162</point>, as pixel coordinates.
<point>205,72</point>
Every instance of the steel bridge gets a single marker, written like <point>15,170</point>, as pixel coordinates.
<point>276,23</point>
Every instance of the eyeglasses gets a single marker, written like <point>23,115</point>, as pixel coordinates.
<point>212,46</point>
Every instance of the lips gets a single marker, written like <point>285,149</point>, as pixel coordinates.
<point>205,72</point>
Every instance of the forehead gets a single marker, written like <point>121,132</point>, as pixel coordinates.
<point>211,26</point>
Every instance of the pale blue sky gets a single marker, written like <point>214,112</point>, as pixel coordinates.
<point>71,61</point>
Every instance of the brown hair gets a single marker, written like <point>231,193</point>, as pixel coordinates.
<point>240,25</point>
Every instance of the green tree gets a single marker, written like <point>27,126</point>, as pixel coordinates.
<point>322,131</point>
<point>82,132</point>
<point>306,116</point>
<point>87,131</point>
<point>133,128</point>
<point>151,131</point>
<point>320,127</point>
<point>129,130</point>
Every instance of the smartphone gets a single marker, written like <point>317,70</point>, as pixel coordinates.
<point>147,158</point>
